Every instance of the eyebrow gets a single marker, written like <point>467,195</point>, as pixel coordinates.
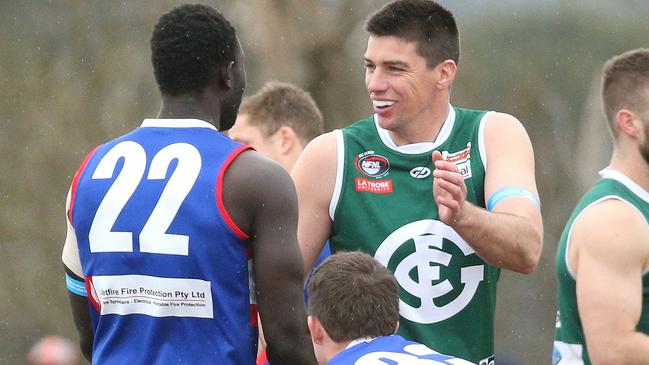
<point>390,63</point>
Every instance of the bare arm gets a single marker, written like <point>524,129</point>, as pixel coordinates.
<point>261,197</point>
<point>81,316</point>
<point>609,253</point>
<point>511,235</point>
<point>314,175</point>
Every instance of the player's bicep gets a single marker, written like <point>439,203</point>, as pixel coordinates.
<point>314,175</point>
<point>275,226</point>
<point>609,277</point>
<point>510,182</point>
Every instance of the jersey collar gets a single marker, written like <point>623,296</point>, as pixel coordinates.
<point>416,148</point>
<point>357,341</point>
<point>609,173</point>
<point>176,123</point>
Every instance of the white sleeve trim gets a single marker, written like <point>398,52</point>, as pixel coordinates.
<point>70,254</point>
<point>481,140</point>
<point>340,151</point>
<point>568,239</point>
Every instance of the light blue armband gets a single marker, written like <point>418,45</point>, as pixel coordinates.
<point>510,192</point>
<point>75,286</point>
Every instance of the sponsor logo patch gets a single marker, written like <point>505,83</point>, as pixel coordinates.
<point>420,172</point>
<point>152,296</point>
<point>371,164</point>
<point>373,186</point>
<point>461,159</point>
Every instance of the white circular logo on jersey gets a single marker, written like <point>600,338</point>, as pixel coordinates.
<point>429,236</point>
<point>420,172</point>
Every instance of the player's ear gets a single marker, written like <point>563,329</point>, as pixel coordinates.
<point>447,71</point>
<point>397,327</point>
<point>315,327</point>
<point>287,138</point>
<point>223,76</point>
<point>629,123</point>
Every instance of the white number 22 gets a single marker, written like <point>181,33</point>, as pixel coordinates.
<point>153,237</point>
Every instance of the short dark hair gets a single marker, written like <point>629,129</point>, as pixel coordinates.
<point>354,296</point>
<point>625,85</point>
<point>277,104</point>
<point>187,44</point>
<point>428,24</point>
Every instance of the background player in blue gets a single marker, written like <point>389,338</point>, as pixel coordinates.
<point>354,313</point>
<point>171,224</point>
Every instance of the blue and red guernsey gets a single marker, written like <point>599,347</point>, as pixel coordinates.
<point>166,268</point>
<point>392,350</point>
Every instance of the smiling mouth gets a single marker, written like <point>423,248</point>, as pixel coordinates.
<point>382,104</point>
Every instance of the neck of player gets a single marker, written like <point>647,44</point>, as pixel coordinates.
<point>187,107</point>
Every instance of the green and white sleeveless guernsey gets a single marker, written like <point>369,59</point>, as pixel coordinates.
<point>569,343</point>
<point>383,205</point>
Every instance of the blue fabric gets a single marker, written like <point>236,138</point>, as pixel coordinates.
<point>215,254</point>
<point>393,350</point>
<point>509,192</point>
<point>326,252</point>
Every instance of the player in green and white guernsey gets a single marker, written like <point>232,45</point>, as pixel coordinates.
<point>602,259</point>
<point>410,185</point>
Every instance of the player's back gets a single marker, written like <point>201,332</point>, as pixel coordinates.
<point>167,270</point>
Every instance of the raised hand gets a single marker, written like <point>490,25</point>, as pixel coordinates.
<point>449,190</point>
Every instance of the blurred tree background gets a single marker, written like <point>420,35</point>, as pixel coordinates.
<point>75,73</point>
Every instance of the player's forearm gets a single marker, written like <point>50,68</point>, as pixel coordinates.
<point>632,349</point>
<point>295,348</point>
<point>281,305</point>
<point>503,240</point>
<point>312,236</point>
<point>287,339</point>
<point>82,323</point>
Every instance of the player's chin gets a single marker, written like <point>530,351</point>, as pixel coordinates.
<point>387,122</point>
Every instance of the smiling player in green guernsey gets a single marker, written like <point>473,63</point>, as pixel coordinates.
<point>410,185</point>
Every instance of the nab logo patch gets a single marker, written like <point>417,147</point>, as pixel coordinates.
<point>420,172</point>
<point>371,164</point>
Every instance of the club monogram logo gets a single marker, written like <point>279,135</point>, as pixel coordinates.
<point>429,235</point>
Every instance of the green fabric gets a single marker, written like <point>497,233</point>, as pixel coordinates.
<point>448,293</point>
<point>569,331</point>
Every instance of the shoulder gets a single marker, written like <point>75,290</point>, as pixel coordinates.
<point>253,182</point>
<point>505,137</point>
<point>250,170</point>
<point>503,123</point>
<point>324,146</point>
<point>610,221</point>
<point>609,215</point>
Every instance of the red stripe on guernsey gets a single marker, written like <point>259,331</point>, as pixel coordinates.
<point>219,193</point>
<point>92,295</point>
<point>254,319</point>
<point>75,181</point>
